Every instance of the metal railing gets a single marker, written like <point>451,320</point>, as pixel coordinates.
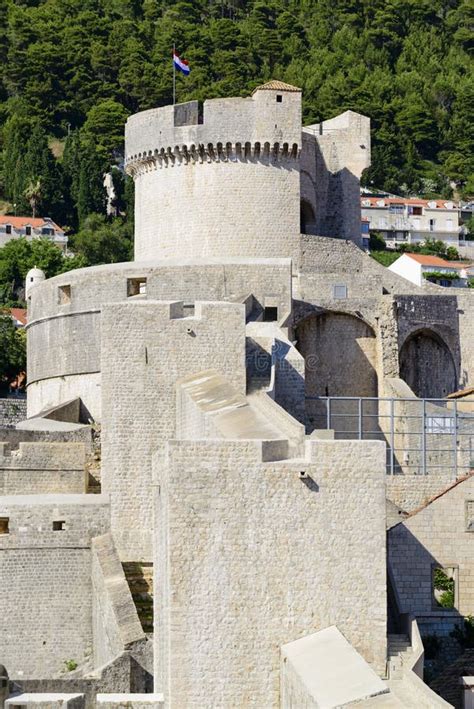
<point>423,436</point>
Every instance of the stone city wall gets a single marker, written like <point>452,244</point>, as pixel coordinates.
<point>64,339</point>
<point>46,590</point>
<point>39,468</point>
<point>146,347</point>
<point>245,545</point>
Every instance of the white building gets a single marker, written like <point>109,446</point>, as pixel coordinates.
<point>402,221</point>
<point>416,267</point>
<point>31,228</point>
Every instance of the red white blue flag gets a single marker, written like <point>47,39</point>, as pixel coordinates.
<point>180,64</point>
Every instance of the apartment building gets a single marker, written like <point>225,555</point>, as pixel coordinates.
<point>411,220</point>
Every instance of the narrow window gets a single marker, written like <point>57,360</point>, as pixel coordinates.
<point>8,229</point>
<point>444,587</point>
<point>136,286</point>
<point>469,514</point>
<point>28,231</point>
<point>64,295</point>
<point>4,525</point>
<point>339,291</point>
<point>58,525</point>
<point>279,98</point>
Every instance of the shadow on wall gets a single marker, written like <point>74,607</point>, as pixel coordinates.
<point>340,355</point>
<point>330,192</point>
<point>427,365</point>
<point>429,590</point>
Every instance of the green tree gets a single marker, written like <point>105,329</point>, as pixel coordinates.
<point>103,241</point>
<point>104,128</point>
<point>12,351</point>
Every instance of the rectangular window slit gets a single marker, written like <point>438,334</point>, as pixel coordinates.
<point>136,286</point>
<point>64,295</point>
<point>4,521</point>
<point>58,525</point>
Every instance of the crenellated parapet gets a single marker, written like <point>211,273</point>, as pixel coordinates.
<point>211,152</point>
<point>238,197</point>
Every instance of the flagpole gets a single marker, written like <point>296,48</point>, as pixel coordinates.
<point>174,76</point>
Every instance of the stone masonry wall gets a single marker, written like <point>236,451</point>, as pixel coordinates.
<point>46,591</point>
<point>12,411</point>
<point>212,224</point>
<point>252,557</point>
<point>146,347</point>
<point>39,468</point>
<point>64,337</point>
<point>438,535</point>
<point>247,148</point>
<point>114,617</point>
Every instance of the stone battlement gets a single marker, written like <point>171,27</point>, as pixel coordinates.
<point>269,117</point>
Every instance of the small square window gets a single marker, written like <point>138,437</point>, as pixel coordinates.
<point>444,587</point>
<point>270,314</point>
<point>4,521</point>
<point>279,98</point>
<point>136,286</point>
<point>58,525</point>
<point>64,295</point>
<point>339,291</point>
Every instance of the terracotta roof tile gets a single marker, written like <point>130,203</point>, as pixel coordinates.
<point>275,85</point>
<point>427,260</point>
<point>20,222</point>
<point>440,203</point>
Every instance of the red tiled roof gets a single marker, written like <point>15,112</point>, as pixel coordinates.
<point>427,260</point>
<point>440,203</point>
<point>440,494</point>
<point>20,222</point>
<point>18,314</point>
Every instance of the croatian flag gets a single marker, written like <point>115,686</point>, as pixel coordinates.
<point>180,64</point>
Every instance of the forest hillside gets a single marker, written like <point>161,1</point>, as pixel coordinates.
<point>71,71</point>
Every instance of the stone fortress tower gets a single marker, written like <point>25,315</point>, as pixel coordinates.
<point>235,167</point>
<point>198,362</point>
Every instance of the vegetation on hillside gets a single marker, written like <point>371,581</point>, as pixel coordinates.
<point>72,70</point>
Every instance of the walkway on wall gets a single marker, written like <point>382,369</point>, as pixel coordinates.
<point>423,436</point>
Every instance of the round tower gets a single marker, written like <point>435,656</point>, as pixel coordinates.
<point>34,276</point>
<point>220,180</point>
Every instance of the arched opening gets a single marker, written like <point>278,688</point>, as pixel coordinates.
<point>427,365</point>
<point>340,361</point>
<point>307,218</point>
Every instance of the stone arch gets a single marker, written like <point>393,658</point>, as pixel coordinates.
<point>427,365</point>
<point>340,355</point>
<point>307,218</point>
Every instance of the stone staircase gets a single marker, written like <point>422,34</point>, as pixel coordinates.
<point>139,577</point>
<point>399,649</point>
